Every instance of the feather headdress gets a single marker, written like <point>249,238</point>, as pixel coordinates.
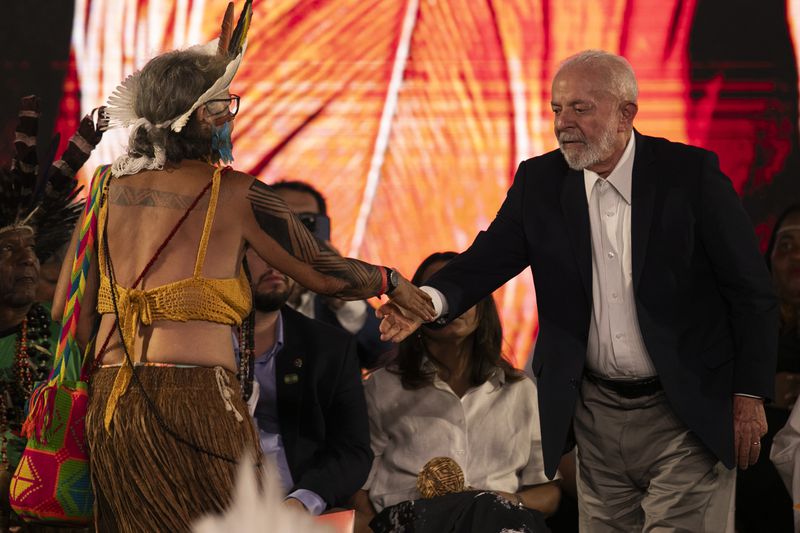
<point>43,198</point>
<point>231,45</point>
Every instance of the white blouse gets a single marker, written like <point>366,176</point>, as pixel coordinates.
<point>492,432</point>
<point>785,455</point>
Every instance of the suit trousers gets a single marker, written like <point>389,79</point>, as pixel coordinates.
<point>642,469</point>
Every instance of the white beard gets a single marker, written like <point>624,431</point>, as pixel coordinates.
<point>592,153</point>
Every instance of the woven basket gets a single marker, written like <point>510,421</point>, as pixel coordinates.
<point>440,476</point>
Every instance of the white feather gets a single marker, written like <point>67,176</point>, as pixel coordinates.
<point>208,49</point>
<point>254,511</point>
<point>121,106</point>
<point>217,89</point>
<point>122,103</point>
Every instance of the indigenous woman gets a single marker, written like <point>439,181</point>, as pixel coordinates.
<point>167,421</point>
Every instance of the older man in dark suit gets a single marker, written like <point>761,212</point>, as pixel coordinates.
<point>310,408</point>
<point>658,324</point>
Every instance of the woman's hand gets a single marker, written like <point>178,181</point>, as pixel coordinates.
<point>513,498</point>
<point>365,512</point>
<point>543,498</point>
<point>411,299</point>
<point>397,323</point>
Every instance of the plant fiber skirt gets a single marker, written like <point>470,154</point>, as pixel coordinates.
<point>144,478</point>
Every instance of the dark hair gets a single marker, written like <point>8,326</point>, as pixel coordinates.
<point>788,316</point>
<point>168,86</point>
<point>301,186</point>
<point>486,353</point>
<point>773,238</point>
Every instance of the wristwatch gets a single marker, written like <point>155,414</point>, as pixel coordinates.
<point>392,280</point>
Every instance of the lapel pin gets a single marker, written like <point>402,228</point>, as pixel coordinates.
<point>298,363</point>
<point>290,379</point>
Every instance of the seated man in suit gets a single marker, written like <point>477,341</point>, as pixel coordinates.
<point>310,410</point>
<point>355,316</point>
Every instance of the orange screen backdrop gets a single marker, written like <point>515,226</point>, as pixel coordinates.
<point>412,116</point>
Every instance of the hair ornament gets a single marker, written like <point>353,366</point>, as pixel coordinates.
<point>43,198</point>
<point>231,44</point>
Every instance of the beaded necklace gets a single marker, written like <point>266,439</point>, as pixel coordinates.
<point>31,364</point>
<point>247,345</point>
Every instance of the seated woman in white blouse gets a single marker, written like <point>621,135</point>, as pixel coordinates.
<point>450,393</point>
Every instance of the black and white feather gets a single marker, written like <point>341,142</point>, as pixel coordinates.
<point>43,196</point>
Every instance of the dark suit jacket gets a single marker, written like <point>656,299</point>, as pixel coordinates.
<point>321,409</point>
<point>704,300</point>
<point>369,346</point>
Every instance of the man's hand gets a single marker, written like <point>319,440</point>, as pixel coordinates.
<point>294,503</point>
<point>749,425</point>
<point>397,323</point>
<point>412,300</point>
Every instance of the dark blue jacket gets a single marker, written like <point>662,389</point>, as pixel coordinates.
<point>704,299</point>
<point>321,409</point>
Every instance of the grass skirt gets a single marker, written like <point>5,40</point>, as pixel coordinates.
<point>143,478</point>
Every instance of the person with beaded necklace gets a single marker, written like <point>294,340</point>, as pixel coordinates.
<point>37,213</point>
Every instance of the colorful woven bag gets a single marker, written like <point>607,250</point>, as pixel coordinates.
<point>51,483</point>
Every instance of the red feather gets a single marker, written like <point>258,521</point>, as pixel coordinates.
<point>227,30</point>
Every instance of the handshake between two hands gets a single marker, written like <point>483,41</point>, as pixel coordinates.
<point>407,309</point>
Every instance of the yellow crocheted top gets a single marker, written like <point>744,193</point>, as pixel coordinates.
<point>223,301</point>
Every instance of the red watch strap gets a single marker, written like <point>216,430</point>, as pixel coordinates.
<point>384,281</point>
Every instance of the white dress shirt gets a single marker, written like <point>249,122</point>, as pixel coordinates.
<point>492,432</point>
<point>352,314</point>
<point>615,348</point>
<point>785,455</point>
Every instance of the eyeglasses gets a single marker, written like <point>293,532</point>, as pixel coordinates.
<point>317,223</point>
<point>221,105</point>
